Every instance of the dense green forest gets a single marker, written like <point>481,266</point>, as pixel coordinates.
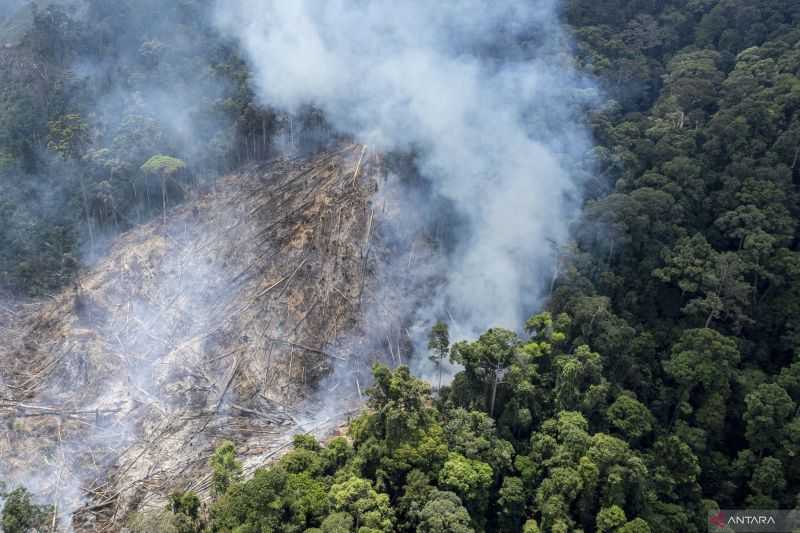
<point>86,100</point>
<point>661,382</point>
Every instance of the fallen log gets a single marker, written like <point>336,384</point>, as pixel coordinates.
<point>307,348</point>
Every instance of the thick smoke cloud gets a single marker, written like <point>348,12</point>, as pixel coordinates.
<point>9,7</point>
<point>482,91</point>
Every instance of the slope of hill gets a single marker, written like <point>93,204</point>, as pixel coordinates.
<point>217,325</point>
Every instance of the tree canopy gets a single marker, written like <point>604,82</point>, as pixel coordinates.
<point>661,378</point>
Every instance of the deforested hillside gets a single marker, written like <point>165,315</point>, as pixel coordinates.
<point>394,267</point>
<point>218,324</point>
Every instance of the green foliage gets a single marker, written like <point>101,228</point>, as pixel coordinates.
<point>531,526</point>
<point>163,165</point>
<point>69,136</point>
<point>184,514</point>
<point>579,377</point>
<point>370,509</point>
<point>444,514</point>
<point>769,411</point>
<point>470,480</point>
<point>226,469</point>
<point>703,363</point>
<point>439,345</point>
<point>630,417</point>
<point>337,523</point>
<point>512,500</point>
<point>343,487</point>
<point>257,503</point>
<point>472,434</point>
<point>77,145</point>
<point>186,503</point>
<point>683,275</point>
<point>398,401</point>
<point>636,525</point>
<point>663,377</point>
<point>488,359</point>
<point>21,515</point>
<point>610,518</point>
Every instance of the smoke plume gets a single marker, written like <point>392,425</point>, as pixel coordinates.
<point>481,92</point>
<point>484,95</point>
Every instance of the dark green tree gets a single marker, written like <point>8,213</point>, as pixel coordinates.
<point>22,515</point>
<point>439,346</point>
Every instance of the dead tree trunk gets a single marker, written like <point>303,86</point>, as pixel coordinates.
<point>494,396</point>
<point>164,198</point>
<point>85,197</point>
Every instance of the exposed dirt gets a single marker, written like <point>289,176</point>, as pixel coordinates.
<point>220,324</point>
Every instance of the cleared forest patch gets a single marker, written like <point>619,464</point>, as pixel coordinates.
<point>222,323</point>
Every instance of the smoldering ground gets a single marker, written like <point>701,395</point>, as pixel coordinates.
<point>212,326</point>
<point>138,89</point>
<point>87,371</point>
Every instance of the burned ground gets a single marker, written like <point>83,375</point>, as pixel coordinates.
<point>223,323</point>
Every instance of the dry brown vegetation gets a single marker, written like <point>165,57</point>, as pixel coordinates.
<point>217,325</point>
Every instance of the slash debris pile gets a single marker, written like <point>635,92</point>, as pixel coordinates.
<point>216,325</point>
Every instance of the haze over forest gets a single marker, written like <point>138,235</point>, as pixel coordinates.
<point>373,266</point>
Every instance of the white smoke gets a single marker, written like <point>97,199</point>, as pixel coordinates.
<point>484,93</point>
